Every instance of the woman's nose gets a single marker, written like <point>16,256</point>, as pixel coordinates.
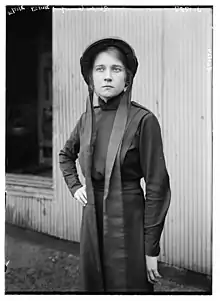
<point>107,75</point>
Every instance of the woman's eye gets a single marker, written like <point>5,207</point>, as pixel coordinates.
<point>116,69</point>
<point>100,69</point>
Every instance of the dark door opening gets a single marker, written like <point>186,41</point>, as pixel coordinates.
<point>28,90</point>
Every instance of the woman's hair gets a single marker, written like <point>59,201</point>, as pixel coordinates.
<point>120,56</point>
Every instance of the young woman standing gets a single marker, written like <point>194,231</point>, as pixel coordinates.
<point>118,142</point>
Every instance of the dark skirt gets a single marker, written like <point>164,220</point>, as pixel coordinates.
<point>136,274</point>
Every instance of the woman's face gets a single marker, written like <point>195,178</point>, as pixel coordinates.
<point>108,75</point>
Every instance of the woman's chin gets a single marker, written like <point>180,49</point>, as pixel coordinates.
<point>108,96</point>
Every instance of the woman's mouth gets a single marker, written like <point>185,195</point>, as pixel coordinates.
<point>107,86</point>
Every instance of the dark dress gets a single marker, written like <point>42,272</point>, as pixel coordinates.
<point>143,217</point>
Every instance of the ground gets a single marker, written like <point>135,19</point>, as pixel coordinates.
<point>40,263</point>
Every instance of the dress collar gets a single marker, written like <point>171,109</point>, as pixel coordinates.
<point>111,104</point>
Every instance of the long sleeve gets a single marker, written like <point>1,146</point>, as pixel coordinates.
<point>154,170</point>
<point>67,160</point>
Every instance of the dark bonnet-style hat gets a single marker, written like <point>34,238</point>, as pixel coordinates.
<point>90,52</point>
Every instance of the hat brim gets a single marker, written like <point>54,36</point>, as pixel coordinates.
<point>91,51</point>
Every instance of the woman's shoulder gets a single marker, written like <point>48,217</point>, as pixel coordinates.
<point>147,114</point>
<point>137,105</point>
<point>82,117</point>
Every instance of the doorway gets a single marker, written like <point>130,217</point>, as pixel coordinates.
<point>28,91</point>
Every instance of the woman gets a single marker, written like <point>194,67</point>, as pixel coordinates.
<point>118,143</point>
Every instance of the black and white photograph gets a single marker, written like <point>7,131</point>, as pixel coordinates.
<point>109,150</point>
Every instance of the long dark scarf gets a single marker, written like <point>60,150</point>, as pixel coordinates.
<point>112,200</point>
<point>114,236</point>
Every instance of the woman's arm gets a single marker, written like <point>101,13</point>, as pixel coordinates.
<point>157,183</point>
<point>67,160</point>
